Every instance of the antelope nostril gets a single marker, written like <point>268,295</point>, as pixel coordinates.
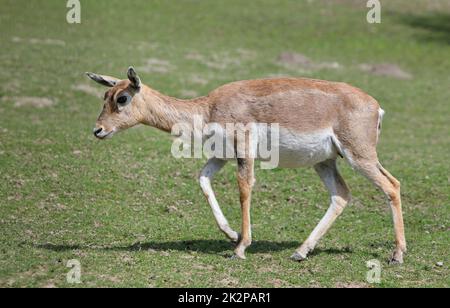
<point>97,131</point>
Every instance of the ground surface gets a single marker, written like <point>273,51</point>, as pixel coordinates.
<point>134,216</point>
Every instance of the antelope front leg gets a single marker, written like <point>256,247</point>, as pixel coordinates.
<point>246,180</point>
<point>211,168</point>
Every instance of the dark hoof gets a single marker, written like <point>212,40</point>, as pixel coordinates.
<point>394,261</point>
<point>397,258</point>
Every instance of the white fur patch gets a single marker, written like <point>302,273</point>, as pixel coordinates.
<point>381,114</point>
<point>295,149</point>
<point>305,149</point>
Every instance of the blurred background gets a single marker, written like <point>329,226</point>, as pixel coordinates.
<point>134,216</point>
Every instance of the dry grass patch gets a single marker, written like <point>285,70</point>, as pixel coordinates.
<point>154,65</point>
<point>88,89</point>
<point>38,41</point>
<point>297,61</point>
<point>386,69</point>
<point>26,101</point>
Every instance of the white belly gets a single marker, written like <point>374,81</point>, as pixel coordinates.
<point>308,149</point>
<point>291,149</point>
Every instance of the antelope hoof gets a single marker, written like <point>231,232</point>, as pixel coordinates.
<point>395,262</point>
<point>238,257</point>
<point>298,257</point>
<point>239,253</point>
<point>397,258</point>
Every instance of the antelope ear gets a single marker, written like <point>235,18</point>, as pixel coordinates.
<point>103,80</point>
<point>134,78</point>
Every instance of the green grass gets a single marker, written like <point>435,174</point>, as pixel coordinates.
<point>135,217</point>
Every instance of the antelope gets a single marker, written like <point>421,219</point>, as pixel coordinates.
<point>320,121</point>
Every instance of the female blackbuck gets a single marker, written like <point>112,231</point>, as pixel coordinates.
<point>319,122</point>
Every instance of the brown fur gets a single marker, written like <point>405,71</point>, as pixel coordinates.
<point>297,104</point>
<point>246,181</point>
<point>303,105</point>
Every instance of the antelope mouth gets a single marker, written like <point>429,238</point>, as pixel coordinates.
<point>105,135</point>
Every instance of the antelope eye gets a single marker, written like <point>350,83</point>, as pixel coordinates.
<point>123,100</point>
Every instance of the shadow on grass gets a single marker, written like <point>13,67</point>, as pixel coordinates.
<point>436,26</point>
<point>204,246</point>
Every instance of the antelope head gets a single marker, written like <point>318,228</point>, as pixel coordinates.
<point>122,102</point>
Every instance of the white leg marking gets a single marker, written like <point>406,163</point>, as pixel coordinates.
<point>340,196</point>
<point>211,168</point>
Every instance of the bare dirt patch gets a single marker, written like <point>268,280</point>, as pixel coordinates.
<point>352,285</point>
<point>188,93</point>
<point>12,86</point>
<point>354,3</point>
<point>386,69</point>
<point>195,56</point>
<point>229,282</point>
<point>297,61</point>
<point>291,58</point>
<point>37,102</point>
<point>279,283</point>
<point>220,63</point>
<point>223,60</point>
<point>147,46</point>
<point>246,53</point>
<point>110,278</point>
<point>271,76</point>
<point>87,89</point>
<point>203,267</point>
<point>198,80</point>
<point>38,41</point>
<point>154,65</point>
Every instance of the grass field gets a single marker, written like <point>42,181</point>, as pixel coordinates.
<point>135,217</point>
